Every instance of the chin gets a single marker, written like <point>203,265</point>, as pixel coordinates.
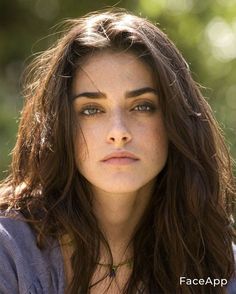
<point>121,187</point>
<point>121,190</point>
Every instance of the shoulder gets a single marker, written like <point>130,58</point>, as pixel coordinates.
<point>23,265</point>
<point>16,234</point>
<point>15,239</point>
<point>14,225</point>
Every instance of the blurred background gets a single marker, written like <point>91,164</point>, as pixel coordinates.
<point>203,30</point>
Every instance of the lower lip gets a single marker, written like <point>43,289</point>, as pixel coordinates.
<point>120,161</point>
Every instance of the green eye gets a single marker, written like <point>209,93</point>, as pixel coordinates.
<point>90,111</point>
<point>145,107</point>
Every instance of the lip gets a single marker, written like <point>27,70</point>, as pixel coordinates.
<point>121,158</point>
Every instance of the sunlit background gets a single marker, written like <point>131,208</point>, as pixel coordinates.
<point>203,30</point>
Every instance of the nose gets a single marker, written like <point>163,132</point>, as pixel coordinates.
<point>118,133</point>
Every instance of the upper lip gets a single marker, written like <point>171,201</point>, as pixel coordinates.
<point>120,154</point>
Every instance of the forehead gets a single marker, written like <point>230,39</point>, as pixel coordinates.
<point>108,69</point>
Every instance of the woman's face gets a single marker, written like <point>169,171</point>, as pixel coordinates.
<point>123,145</point>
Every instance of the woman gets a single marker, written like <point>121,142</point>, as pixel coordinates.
<point>120,179</point>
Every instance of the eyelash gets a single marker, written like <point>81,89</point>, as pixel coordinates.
<point>151,109</point>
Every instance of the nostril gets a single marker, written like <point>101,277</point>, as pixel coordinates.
<point>122,139</point>
<point>119,138</point>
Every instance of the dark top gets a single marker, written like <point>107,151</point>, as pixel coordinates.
<point>25,269</point>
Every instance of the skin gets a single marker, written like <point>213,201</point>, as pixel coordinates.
<point>111,122</point>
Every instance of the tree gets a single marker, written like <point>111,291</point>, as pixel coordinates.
<point>204,31</point>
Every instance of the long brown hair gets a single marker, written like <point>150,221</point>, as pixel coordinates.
<point>187,228</point>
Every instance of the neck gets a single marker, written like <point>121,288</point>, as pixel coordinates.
<point>118,216</point>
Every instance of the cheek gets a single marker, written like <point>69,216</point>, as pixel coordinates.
<point>156,140</point>
<point>87,139</point>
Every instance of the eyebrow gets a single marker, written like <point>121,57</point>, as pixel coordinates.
<point>128,94</point>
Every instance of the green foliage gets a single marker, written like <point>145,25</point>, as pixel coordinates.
<point>203,30</point>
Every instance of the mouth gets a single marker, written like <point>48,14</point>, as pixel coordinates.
<point>120,160</point>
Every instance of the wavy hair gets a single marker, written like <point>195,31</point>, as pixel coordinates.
<point>187,230</point>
